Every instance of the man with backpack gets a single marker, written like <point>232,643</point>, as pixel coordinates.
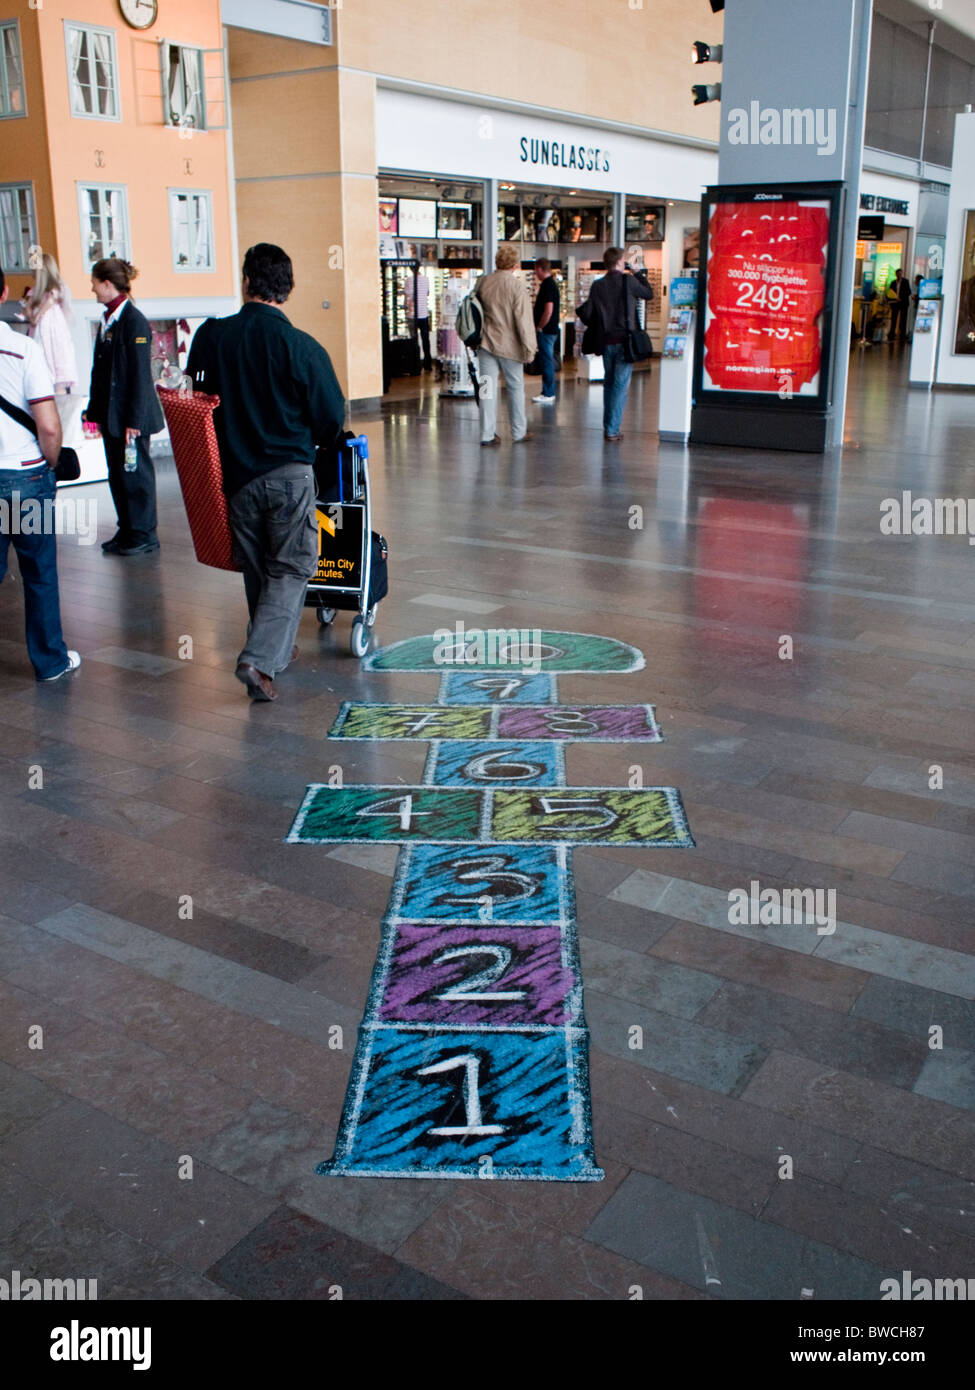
<point>507,343</point>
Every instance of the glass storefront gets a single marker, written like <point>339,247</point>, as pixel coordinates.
<point>433,228</point>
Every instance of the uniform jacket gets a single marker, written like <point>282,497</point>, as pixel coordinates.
<point>122,392</point>
<point>509,325</point>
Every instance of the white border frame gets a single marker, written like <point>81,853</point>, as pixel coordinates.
<point>15,115</point>
<point>70,24</point>
<point>192,269</point>
<point>82,186</point>
<point>32,236</point>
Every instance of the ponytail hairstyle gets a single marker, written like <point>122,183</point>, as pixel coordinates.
<point>117,272</point>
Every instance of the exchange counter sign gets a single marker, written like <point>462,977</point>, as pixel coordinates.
<point>339,546</point>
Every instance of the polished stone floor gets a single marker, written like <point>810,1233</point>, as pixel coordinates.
<point>166,1037</point>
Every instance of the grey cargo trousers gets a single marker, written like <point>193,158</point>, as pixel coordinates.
<point>276,539</point>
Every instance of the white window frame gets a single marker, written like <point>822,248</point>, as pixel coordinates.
<point>124,251</point>
<point>206,194</point>
<point>210,96</point>
<point>92,31</point>
<point>190,67</point>
<point>22,264</point>
<point>6,114</point>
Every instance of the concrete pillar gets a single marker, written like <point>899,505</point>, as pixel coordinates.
<point>305,163</point>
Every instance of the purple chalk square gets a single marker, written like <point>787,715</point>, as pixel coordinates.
<point>516,972</point>
<point>580,723</point>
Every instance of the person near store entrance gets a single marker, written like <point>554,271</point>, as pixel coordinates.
<point>279,400</point>
<point>418,309</point>
<point>900,291</point>
<point>27,461</point>
<point>122,402</point>
<point>609,315</point>
<point>508,342</point>
<point>546,327</point>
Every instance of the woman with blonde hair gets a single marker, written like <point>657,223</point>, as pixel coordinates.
<point>47,309</point>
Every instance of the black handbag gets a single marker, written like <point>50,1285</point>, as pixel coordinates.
<point>68,468</point>
<point>638,346</point>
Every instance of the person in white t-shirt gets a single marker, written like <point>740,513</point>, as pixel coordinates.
<point>30,441</point>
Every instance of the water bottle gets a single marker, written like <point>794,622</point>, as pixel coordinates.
<point>131,457</point>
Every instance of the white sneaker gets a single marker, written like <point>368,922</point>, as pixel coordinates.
<point>544,400</point>
<point>74,661</point>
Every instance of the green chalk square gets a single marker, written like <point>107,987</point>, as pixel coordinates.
<point>590,815</point>
<point>412,721</point>
<point>401,814</point>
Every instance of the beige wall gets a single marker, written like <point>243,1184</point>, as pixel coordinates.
<point>304,154</point>
<point>304,137</point>
<point>621,60</point>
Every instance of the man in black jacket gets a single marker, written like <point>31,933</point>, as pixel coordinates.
<point>279,399</point>
<point>123,403</point>
<point>610,313</point>
<point>898,313</point>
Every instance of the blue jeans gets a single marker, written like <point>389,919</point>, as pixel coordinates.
<point>38,558</point>
<point>615,387</point>
<point>546,351</point>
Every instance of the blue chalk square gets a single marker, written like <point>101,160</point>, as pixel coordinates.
<point>475,763</point>
<point>502,688</point>
<point>431,1103</point>
<point>491,883</point>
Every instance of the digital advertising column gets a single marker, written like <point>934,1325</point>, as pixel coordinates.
<point>472,1059</point>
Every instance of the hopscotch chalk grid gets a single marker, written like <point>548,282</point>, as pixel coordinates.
<point>473,1054</point>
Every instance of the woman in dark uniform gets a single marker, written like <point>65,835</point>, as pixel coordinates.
<point>124,404</point>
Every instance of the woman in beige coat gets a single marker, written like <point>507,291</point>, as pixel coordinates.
<point>507,343</point>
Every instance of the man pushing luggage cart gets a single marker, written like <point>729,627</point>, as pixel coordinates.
<point>279,400</point>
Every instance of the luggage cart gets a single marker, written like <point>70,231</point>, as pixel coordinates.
<point>344,515</point>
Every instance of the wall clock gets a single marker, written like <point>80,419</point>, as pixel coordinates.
<point>141,14</point>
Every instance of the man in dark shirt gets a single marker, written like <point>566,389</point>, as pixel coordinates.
<point>546,327</point>
<point>898,314</point>
<point>610,313</point>
<point>279,399</point>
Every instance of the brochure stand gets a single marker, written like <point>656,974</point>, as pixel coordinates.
<point>678,375</point>
<point>924,347</point>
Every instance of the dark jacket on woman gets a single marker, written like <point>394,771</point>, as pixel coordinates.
<point>610,311</point>
<point>122,393</point>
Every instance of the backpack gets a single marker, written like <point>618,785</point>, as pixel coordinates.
<point>470,320</point>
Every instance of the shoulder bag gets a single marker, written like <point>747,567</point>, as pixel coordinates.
<point>638,344</point>
<point>68,468</point>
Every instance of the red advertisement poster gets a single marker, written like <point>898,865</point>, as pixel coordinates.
<point>766,289</point>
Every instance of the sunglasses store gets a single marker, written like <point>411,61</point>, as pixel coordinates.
<point>558,191</point>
